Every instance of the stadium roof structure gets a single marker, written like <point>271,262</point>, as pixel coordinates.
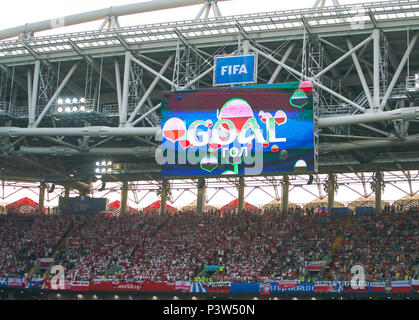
<point>322,202</point>
<point>194,203</point>
<point>363,60</point>
<point>21,202</point>
<point>278,203</point>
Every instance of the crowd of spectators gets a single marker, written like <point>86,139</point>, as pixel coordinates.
<point>98,243</point>
<point>24,240</point>
<point>386,246</point>
<point>249,247</point>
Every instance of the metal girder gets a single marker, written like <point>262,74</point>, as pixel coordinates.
<point>202,75</point>
<point>149,90</point>
<point>95,65</point>
<point>61,142</point>
<point>360,73</point>
<point>48,169</point>
<point>302,76</point>
<point>344,56</point>
<point>54,97</point>
<point>21,82</point>
<point>157,74</point>
<point>78,131</point>
<point>397,114</point>
<point>125,90</point>
<point>399,70</point>
<point>379,143</point>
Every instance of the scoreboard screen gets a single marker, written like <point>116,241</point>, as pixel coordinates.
<point>252,130</point>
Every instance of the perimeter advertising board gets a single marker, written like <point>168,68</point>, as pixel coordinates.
<point>82,206</point>
<point>253,130</point>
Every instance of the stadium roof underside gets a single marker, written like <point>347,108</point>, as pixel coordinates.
<point>361,58</point>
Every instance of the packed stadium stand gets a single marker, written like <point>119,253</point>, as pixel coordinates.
<point>251,247</point>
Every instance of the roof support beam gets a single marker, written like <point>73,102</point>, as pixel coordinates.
<point>57,151</point>
<point>157,74</point>
<point>283,60</point>
<point>201,11</point>
<point>34,95</point>
<point>118,84</point>
<point>123,111</point>
<point>343,57</point>
<point>18,79</point>
<point>399,70</point>
<point>202,75</point>
<point>56,94</point>
<point>301,76</point>
<point>96,66</point>
<point>376,69</point>
<point>149,90</point>
<point>381,143</point>
<point>360,73</point>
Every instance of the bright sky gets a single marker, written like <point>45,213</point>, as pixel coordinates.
<point>19,12</point>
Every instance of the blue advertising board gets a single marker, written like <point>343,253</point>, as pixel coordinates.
<point>244,288</point>
<point>235,69</point>
<point>299,288</point>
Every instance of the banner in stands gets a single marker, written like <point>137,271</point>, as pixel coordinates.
<point>45,263</point>
<point>315,265</point>
<point>198,287</point>
<point>36,283</point>
<point>328,286</point>
<point>80,286</point>
<point>377,287</point>
<point>16,283</point>
<point>115,285</point>
<point>264,289</point>
<point>400,286</point>
<point>415,285</point>
<point>219,287</point>
<point>182,286</point>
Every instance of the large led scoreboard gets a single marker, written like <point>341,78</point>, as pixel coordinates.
<point>251,130</point>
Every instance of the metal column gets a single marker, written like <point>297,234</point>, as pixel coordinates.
<point>285,193</point>
<point>67,192</point>
<point>331,193</point>
<point>124,199</point>
<point>240,203</point>
<point>376,97</point>
<point>34,95</point>
<point>378,190</point>
<point>200,204</point>
<point>163,203</point>
<point>41,201</point>
<point>125,93</point>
